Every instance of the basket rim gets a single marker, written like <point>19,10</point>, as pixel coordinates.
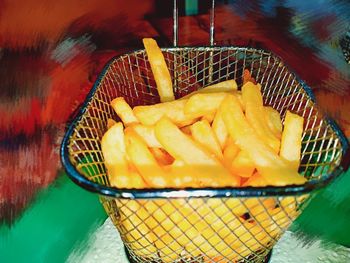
<point>110,191</point>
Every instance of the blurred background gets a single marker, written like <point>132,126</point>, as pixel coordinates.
<point>51,52</point>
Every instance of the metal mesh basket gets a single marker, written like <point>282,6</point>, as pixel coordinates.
<point>201,225</point>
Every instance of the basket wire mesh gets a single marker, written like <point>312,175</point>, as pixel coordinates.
<point>201,225</point>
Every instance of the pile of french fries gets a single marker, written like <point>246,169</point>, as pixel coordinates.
<point>214,137</point>
<point>217,136</point>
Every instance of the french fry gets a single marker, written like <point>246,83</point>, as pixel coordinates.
<point>252,237</point>
<point>162,157</point>
<point>259,208</point>
<point>209,117</point>
<point>255,114</point>
<point>185,175</point>
<point>273,168</point>
<point>159,69</point>
<point>256,180</point>
<point>274,121</point>
<point>203,134</point>
<point>242,165</point>
<point>124,111</point>
<point>219,128</point>
<point>141,239</point>
<point>186,129</point>
<point>240,99</point>
<point>181,147</point>
<point>110,123</point>
<point>201,104</point>
<point>174,110</point>
<point>291,139</point>
<point>144,161</point>
<point>224,86</point>
<point>113,150</point>
<point>146,132</point>
<point>230,152</point>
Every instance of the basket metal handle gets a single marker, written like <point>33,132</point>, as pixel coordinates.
<point>176,23</point>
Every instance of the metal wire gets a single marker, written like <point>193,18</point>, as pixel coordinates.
<point>176,23</point>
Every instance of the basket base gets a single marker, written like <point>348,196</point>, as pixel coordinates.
<point>267,258</point>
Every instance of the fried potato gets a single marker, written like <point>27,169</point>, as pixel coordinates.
<point>230,152</point>
<point>223,86</point>
<point>203,134</point>
<point>110,123</point>
<point>159,69</point>
<point>186,129</point>
<point>144,161</point>
<point>291,139</point>
<point>114,153</point>
<point>273,168</point>
<point>124,111</point>
<point>255,114</point>
<point>219,128</point>
<point>242,165</point>
<point>141,239</point>
<point>209,117</point>
<point>146,132</point>
<point>259,208</point>
<point>256,180</point>
<point>201,104</point>
<point>182,147</point>
<point>185,175</point>
<point>274,121</point>
<point>174,110</point>
<point>113,150</point>
<point>162,157</point>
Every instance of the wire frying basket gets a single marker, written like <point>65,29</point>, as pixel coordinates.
<point>207,224</point>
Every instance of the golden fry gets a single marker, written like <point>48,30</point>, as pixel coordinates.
<point>255,114</point>
<point>203,134</point>
<point>162,157</point>
<point>274,121</point>
<point>174,110</point>
<point>114,153</point>
<point>230,152</point>
<point>144,161</point>
<point>291,139</point>
<point>146,132</point>
<point>182,147</point>
<point>219,128</point>
<point>256,180</point>
<point>159,69</point>
<point>141,239</point>
<point>110,123</point>
<point>186,129</point>
<point>242,165</point>
<point>224,86</point>
<point>202,104</point>
<point>124,111</point>
<point>274,169</point>
<point>209,117</point>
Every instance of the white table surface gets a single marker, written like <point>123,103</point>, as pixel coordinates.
<point>105,246</point>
